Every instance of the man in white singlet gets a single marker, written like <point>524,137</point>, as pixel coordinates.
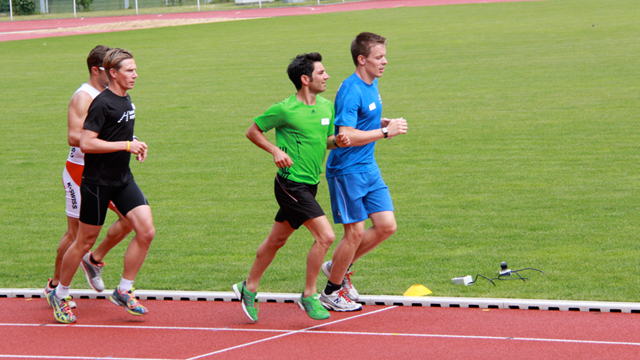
<point>72,177</point>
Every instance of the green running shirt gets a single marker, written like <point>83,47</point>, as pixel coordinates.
<point>301,132</point>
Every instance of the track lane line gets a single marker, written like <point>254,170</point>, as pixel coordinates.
<point>142,327</point>
<point>290,333</point>
<point>482,337</point>
<point>72,357</point>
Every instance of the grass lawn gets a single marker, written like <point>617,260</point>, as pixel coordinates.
<point>522,147</point>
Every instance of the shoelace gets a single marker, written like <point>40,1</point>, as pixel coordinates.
<point>132,302</point>
<point>129,299</point>
<point>64,306</point>
<point>348,276</point>
<point>343,294</point>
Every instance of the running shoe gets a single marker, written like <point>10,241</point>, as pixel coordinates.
<point>92,272</point>
<point>49,288</point>
<point>352,293</point>
<point>248,299</point>
<point>61,310</point>
<point>312,306</point>
<point>128,300</point>
<point>338,301</point>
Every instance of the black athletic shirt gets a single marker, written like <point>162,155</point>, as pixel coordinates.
<point>113,118</point>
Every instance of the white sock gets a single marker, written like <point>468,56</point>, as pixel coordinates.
<point>62,291</point>
<point>125,285</point>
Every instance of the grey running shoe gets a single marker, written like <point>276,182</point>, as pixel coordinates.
<point>248,300</point>
<point>338,301</point>
<point>92,272</point>
<point>352,293</point>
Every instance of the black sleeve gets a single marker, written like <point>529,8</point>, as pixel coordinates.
<point>96,116</point>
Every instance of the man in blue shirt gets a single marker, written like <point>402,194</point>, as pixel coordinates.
<point>355,184</point>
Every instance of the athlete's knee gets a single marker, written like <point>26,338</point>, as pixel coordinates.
<point>387,229</point>
<point>146,235</point>
<point>353,234</point>
<point>326,239</point>
<point>276,241</point>
<point>149,234</point>
<point>384,224</point>
<point>84,243</point>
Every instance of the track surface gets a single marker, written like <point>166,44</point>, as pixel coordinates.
<point>31,29</point>
<point>220,330</point>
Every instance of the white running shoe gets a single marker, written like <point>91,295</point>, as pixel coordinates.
<point>338,301</point>
<point>93,273</point>
<point>352,293</point>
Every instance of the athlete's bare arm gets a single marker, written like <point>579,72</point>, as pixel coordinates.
<point>90,144</point>
<point>78,109</point>
<point>359,137</point>
<point>255,134</point>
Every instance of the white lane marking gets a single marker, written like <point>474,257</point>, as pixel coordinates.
<point>290,333</point>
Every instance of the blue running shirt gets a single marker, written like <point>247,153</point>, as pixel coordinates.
<point>358,105</point>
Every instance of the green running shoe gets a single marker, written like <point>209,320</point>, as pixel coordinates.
<point>248,300</point>
<point>61,310</point>
<point>313,307</point>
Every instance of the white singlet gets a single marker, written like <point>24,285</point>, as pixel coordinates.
<point>75,154</point>
<point>72,173</point>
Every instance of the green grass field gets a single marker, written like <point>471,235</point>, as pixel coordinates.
<point>522,147</point>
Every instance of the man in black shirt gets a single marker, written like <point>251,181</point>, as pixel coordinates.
<point>107,140</point>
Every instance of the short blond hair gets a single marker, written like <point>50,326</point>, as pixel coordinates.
<point>114,58</point>
<point>363,43</point>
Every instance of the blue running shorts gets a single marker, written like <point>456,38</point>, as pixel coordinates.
<point>355,196</point>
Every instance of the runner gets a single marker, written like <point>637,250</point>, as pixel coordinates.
<point>355,184</point>
<point>107,140</point>
<point>72,177</point>
<point>304,132</point>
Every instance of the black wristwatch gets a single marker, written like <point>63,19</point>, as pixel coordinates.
<point>385,131</point>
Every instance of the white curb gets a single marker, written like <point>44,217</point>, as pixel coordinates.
<point>425,301</point>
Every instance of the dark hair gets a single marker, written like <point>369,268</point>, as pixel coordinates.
<point>363,43</point>
<point>114,58</point>
<point>302,65</point>
<point>96,56</point>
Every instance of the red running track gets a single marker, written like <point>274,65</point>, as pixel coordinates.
<point>20,30</point>
<point>220,330</point>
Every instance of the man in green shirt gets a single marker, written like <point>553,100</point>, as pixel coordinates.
<point>304,132</point>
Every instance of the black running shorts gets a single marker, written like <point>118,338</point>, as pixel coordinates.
<point>95,201</point>
<point>297,202</point>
